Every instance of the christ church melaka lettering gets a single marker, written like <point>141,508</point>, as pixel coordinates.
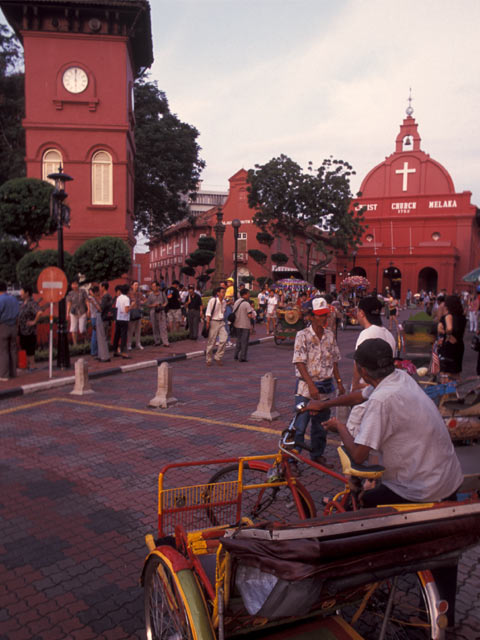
<point>442,204</point>
<point>403,207</point>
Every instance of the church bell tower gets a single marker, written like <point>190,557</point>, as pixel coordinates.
<point>81,60</point>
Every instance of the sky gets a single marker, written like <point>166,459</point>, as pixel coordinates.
<point>319,78</point>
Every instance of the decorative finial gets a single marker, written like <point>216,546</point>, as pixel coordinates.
<point>409,109</point>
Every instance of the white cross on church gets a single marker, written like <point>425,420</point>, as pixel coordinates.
<point>405,171</point>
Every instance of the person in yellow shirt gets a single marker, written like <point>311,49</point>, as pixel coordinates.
<point>230,293</point>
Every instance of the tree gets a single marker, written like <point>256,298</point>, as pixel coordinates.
<point>167,163</point>
<point>317,205</point>
<point>30,266</point>
<point>103,258</point>
<point>11,251</point>
<point>25,210</point>
<point>201,257</point>
<point>12,107</point>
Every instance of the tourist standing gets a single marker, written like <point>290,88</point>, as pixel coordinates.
<point>174,313</point>
<point>194,310</point>
<point>122,305</point>
<point>215,318</point>
<point>157,303</point>
<point>77,310</point>
<point>450,338</point>
<point>315,357</point>
<point>98,344</point>
<point>9,309</point>
<point>28,317</point>
<point>135,324</point>
<point>272,303</point>
<point>244,313</point>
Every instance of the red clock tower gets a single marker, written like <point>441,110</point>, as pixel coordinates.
<point>81,60</point>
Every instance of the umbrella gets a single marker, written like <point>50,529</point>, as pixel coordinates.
<point>473,276</point>
<point>292,283</point>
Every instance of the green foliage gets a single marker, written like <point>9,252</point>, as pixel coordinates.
<point>263,280</point>
<point>30,266</point>
<point>188,271</point>
<point>207,243</point>
<point>201,257</point>
<point>103,258</point>
<point>25,209</point>
<point>316,204</point>
<point>167,163</point>
<point>263,237</point>
<point>12,107</point>
<point>258,256</point>
<point>279,258</point>
<point>11,251</point>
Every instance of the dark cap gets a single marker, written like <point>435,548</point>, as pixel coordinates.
<point>374,354</point>
<point>370,305</point>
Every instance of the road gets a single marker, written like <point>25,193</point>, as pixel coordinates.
<point>79,482</point>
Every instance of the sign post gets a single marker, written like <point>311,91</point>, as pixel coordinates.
<point>52,286</point>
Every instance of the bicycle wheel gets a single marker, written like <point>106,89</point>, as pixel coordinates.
<point>272,503</point>
<point>412,615</point>
<point>173,603</point>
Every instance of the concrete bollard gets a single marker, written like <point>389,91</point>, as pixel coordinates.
<point>266,406</point>
<point>82,383</point>
<point>164,396</point>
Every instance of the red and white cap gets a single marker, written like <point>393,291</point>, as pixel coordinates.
<point>320,307</point>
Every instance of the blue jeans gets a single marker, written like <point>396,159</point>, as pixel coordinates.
<point>318,435</point>
<point>93,340</point>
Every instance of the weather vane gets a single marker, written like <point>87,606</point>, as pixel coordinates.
<point>409,109</point>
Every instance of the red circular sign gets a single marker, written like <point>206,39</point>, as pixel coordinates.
<point>52,284</point>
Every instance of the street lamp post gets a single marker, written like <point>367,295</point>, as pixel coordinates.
<point>308,242</point>
<point>61,215</point>
<point>236,226</point>
<point>376,279</point>
<point>354,254</point>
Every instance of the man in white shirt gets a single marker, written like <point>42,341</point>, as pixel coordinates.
<point>122,304</point>
<point>216,326</point>
<point>370,319</point>
<point>272,302</point>
<point>405,426</point>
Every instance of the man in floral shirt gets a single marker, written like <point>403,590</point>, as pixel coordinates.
<point>315,357</point>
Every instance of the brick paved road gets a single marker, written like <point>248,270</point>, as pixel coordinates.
<point>79,489</point>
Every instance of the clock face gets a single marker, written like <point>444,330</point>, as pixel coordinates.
<point>75,80</point>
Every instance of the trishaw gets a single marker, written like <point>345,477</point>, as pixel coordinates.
<point>289,321</point>
<point>355,286</point>
<point>246,553</point>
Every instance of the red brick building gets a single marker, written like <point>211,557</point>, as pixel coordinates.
<point>81,59</point>
<point>421,233</point>
<point>167,255</point>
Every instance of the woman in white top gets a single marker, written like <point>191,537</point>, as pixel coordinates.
<point>122,305</point>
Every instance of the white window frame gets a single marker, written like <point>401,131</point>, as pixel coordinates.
<point>51,165</point>
<point>102,178</point>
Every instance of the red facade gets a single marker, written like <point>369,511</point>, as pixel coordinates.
<point>80,63</point>
<point>168,255</point>
<point>421,234</point>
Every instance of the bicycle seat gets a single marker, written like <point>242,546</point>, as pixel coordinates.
<point>351,468</point>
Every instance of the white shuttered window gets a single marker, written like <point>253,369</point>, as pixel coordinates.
<point>102,192</point>
<point>51,161</point>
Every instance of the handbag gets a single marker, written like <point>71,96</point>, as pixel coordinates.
<point>204,330</point>
<point>476,342</point>
<point>135,314</point>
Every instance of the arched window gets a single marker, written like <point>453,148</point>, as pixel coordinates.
<point>102,192</point>
<point>52,159</point>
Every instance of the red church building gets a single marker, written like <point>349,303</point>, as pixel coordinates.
<point>421,233</point>
<point>81,60</point>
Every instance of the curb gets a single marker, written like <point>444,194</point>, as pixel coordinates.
<point>127,368</point>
